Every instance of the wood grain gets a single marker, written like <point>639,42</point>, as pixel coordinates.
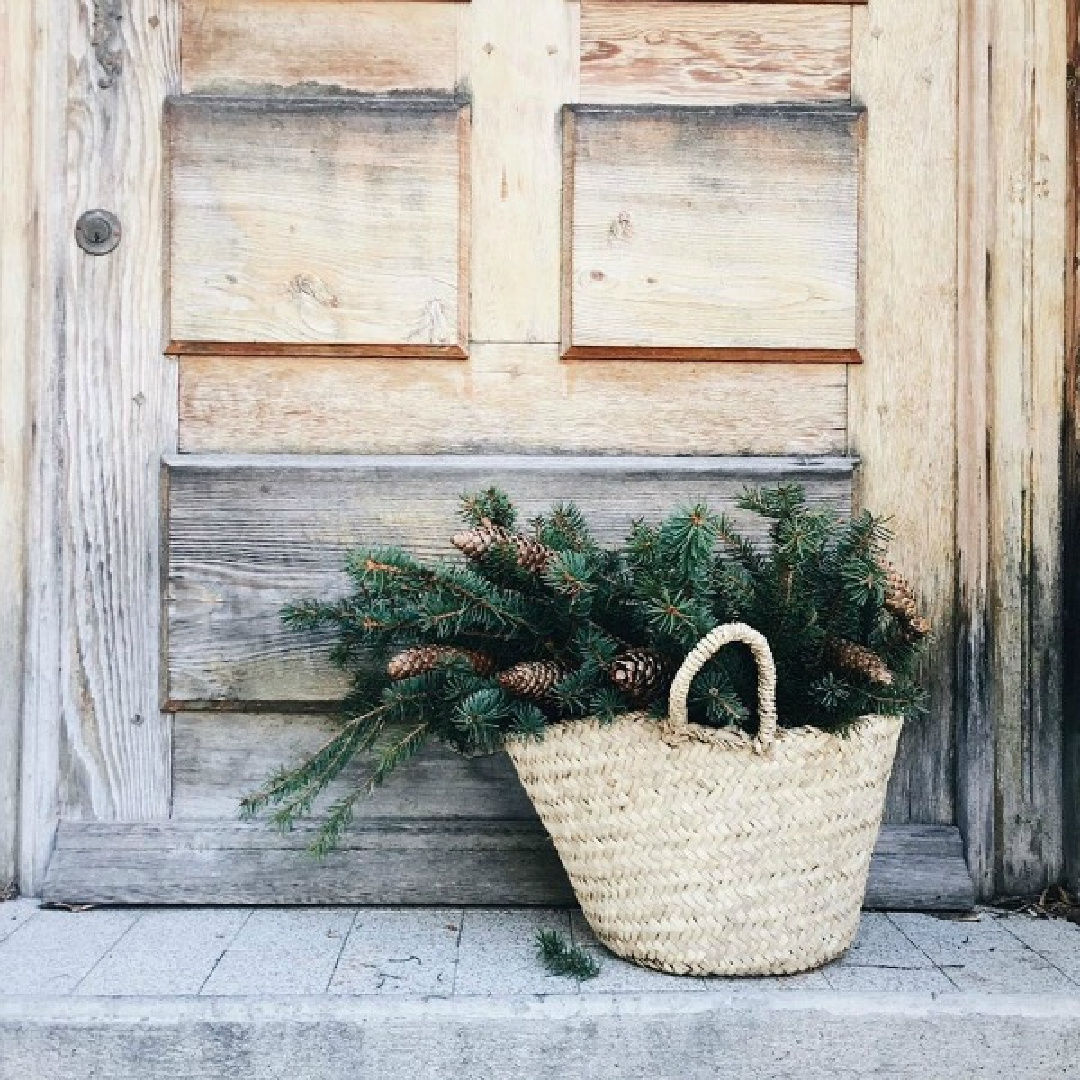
<point>1027,334</point>
<point>44,642</point>
<point>253,46</point>
<point>713,228</point>
<point>521,67</point>
<point>267,193</point>
<point>220,757</point>
<point>465,862</point>
<point>16,335</point>
<point>105,413</point>
<point>637,51</point>
<point>903,397</point>
<point>1072,465</point>
<point>975,751</point>
<point>248,535</point>
<point>509,398</point>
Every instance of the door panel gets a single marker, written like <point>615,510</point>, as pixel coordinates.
<point>268,196</point>
<point>246,536</point>
<point>306,405</point>
<point>701,233</point>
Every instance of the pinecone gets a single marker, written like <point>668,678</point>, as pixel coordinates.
<point>424,658</point>
<point>858,660</point>
<point>901,604</point>
<point>476,543</point>
<point>533,678</point>
<point>639,673</point>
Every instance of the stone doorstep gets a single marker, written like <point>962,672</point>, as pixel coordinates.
<point>812,1035</point>
<point>314,993</point>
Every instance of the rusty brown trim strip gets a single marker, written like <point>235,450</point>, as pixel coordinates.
<point>795,112</point>
<point>316,349</point>
<point>688,354</point>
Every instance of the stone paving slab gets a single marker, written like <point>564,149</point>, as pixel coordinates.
<point>282,951</point>
<point>13,914</point>
<point>168,952</point>
<point>400,951</point>
<point>984,956</point>
<point>52,952</point>
<point>447,952</point>
<point>497,954</point>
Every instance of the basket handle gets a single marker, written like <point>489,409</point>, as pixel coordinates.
<point>703,652</point>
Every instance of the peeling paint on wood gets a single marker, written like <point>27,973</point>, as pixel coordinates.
<point>107,40</point>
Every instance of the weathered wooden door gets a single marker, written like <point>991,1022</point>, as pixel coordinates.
<point>376,252</point>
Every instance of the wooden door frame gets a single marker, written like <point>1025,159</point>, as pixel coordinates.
<point>1072,460</point>
<point>101,416</point>
<point>1010,401</point>
<point>16,229</point>
<point>78,324</point>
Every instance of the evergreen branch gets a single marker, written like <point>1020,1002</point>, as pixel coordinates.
<point>563,959</point>
<point>489,507</point>
<point>337,821</point>
<point>395,755</point>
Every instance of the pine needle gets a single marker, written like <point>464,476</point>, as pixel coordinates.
<point>563,959</point>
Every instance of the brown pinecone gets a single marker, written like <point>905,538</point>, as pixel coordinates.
<point>900,602</point>
<point>476,543</point>
<point>859,660</point>
<point>640,673</point>
<point>424,658</point>
<point>533,678</point>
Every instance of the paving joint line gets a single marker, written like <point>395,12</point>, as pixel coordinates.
<point>457,950</point>
<point>26,922</point>
<point>108,952</point>
<point>1041,955</point>
<point>341,952</point>
<point>224,949</point>
<point>919,949</point>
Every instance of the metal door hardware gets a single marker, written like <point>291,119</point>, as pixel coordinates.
<point>97,232</point>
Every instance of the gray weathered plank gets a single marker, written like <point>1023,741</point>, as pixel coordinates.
<point>447,862</point>
<point>220,757</point>
<point>248,534</point>
<point>385,862</point>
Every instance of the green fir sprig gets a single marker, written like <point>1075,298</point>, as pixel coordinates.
<point>563,959</point>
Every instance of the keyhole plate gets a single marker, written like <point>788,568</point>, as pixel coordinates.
<point>97,232</point>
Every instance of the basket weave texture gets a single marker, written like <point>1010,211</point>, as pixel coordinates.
<point>711,852</point>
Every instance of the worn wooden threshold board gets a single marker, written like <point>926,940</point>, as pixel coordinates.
<point>459,862</point>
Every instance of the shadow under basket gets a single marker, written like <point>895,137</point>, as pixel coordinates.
<point>711,852</point>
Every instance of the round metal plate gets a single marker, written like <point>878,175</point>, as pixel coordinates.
<point>97,232</point>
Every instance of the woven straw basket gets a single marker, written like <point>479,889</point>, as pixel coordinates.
<point>710,852</point>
